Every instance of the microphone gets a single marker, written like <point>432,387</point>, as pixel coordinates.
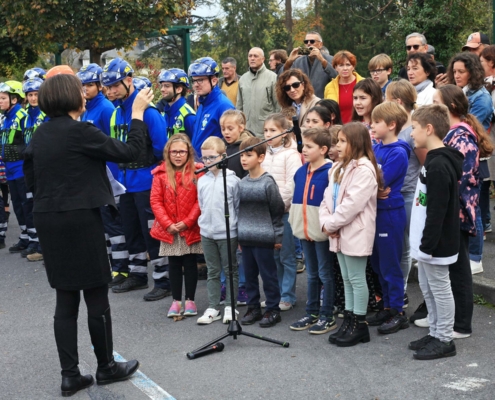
<point>200,353</point>
<point>297,133</point>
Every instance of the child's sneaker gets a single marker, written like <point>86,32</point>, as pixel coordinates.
<point>190,308</point>
<point>175,309</point>
<point>242,297</point>
<point>223,294</point>
<point>209,316</point>
<point>304,323</point>
<point>227,314</point>
<point>323,325</point>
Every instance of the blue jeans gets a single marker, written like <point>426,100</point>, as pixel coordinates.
<point>242,276</point>
<point>319,265</point>
<point>285,259</point>
<point>476,242</point>
<point>298,247</point>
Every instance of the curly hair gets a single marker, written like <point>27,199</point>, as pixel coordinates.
<point>473,65</point>
<point>283,99</point>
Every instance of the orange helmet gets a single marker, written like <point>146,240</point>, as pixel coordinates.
<point>59,69</point>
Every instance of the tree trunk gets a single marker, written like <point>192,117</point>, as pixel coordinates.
<point>95,55</point>
<point>288,24</point>
<point>317,9</point>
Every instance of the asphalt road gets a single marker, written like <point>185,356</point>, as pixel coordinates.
<point>310,368</point>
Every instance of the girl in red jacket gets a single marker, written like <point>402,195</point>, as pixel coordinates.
<point>174,201</point>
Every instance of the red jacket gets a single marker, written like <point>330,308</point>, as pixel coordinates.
<point>171,206</point>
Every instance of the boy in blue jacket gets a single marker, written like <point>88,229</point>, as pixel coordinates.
<point>311,180</point>
<point>392,154</point>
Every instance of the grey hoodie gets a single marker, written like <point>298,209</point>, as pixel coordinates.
<point>211,202</point>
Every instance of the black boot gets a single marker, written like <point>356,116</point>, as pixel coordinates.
<point>343,328</point>
<point>71,385</point>
<point>108,371</point>
<point>357,332</point>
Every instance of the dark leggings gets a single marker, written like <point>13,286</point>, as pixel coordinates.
<point>68,302</point>
<point>175,264</point>
<point>5,194</point>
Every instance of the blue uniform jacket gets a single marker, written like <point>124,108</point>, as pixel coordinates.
<point>139,180</point>
<point>208,116</point>
<point>13,169</point>
<point>172,112</point>
<point>393,159</point>
<point>99,111</point>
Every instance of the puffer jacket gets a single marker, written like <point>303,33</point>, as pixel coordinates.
<point>355,215</point>
<point>171,207</point>
<point>332,89</point>
<point>283,165</point>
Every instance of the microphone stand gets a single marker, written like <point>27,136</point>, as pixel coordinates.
<point>234,329</point>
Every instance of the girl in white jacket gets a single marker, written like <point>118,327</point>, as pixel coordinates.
<point>282,161</point>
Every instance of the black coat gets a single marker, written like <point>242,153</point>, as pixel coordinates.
<point>65,168</point>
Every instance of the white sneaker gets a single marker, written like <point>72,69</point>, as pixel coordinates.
<point>285,306</point>
<point>476,267</point>
<point>227,314</point>
<point>422,323</point>
<point>263,304</point>
<point>209,316</point>
<point>458,335</point>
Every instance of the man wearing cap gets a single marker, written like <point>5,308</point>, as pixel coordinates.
<point>476,42</point>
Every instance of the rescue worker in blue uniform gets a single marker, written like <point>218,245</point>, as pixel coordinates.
<point>99,111</point>
<point>34,118</point>
<point>179,115</point>
<point>212,102</point>
<point>135,209</point>
<point>13,146</point>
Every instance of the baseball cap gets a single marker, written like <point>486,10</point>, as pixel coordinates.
<point>475,40</point>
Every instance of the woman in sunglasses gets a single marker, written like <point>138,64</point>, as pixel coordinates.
<point>341,88</point>
<point>295,90</point>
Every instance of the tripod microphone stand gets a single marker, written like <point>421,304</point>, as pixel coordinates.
<point>234,328</point>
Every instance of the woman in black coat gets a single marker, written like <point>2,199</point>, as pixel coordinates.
<point>65,169</point>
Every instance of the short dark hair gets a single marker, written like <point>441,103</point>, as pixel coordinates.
<point>60,95</point>
<point>437,115</point>
<point>426,62</point>
<point>230,60</point>
<point>259,150</point>
<point>279,54</point>
<point>320,136</point>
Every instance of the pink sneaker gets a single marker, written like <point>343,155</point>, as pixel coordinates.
<point>175,309</point>
<point>190,308</point>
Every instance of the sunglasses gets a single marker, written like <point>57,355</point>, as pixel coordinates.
<point>414,46</point>
<point>295,85</point>
<point>311,41</point>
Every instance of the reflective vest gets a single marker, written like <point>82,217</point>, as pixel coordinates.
<point>179,125</point>
<point>13,142</point>
<point>119,131</point>
<point>28,132</point>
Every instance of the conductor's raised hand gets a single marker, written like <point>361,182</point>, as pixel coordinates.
<point>141,103</point>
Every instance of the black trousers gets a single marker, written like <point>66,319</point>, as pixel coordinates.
<point>461,280</point>
<point>99,323</point>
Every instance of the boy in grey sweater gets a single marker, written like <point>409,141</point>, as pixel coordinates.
<point>260,230</point>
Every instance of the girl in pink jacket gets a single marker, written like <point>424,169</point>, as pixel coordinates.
<point>347,215</point>
<point>282,162</point>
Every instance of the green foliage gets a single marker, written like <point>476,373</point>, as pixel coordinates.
<point>445,23</point>
<point>245,24</point>
<point>14,58</point>
<point>97,25</point>
<point>358,26</point>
